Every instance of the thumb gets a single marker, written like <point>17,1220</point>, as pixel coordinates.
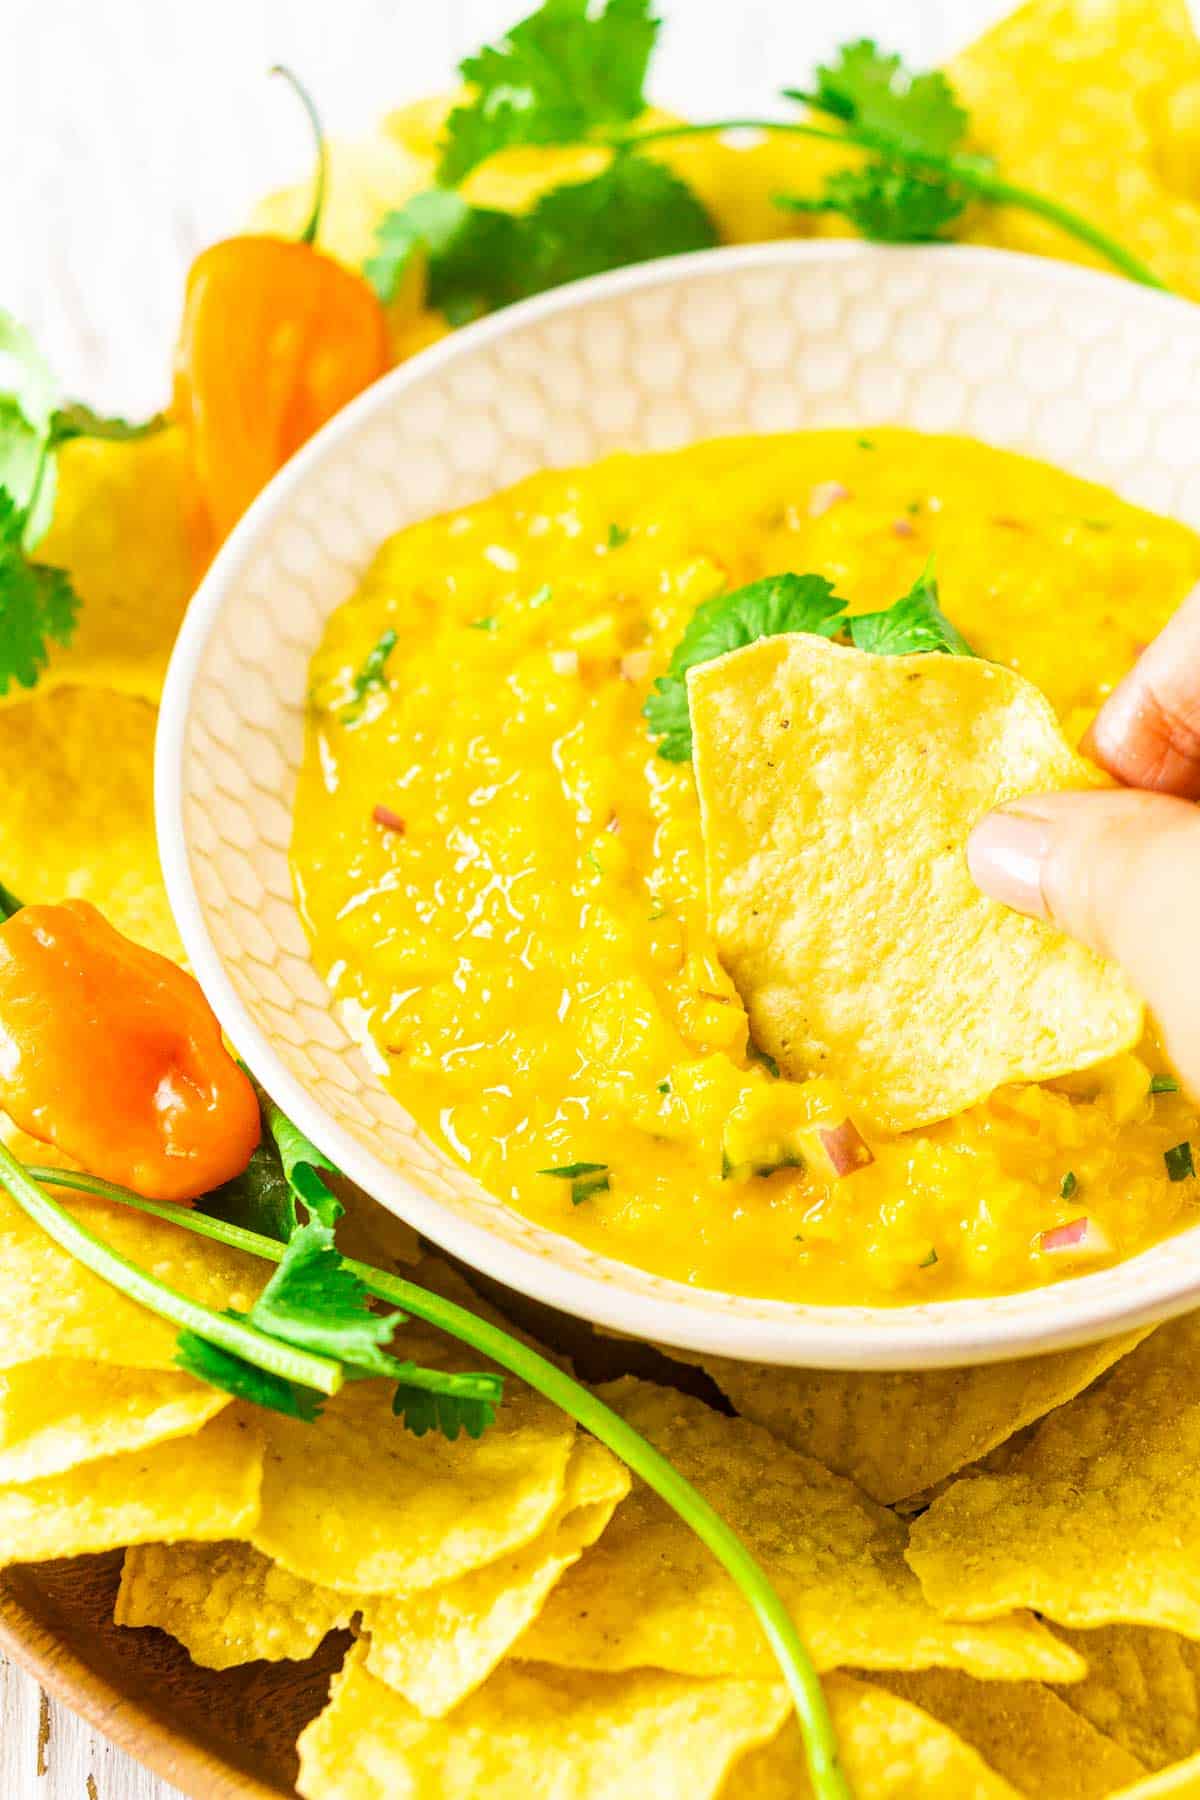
<point>1120,871</point>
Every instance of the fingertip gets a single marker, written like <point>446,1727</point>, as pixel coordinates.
<point>1006,856</point>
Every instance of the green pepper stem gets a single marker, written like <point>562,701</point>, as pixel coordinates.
<point>230,1334</point>
<point>969,172</point>
<point>309,234</point>
<point>820,1742</point>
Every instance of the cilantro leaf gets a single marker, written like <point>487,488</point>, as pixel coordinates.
<point>221,1369</point>
<point>557,75</point>
<point>315,1301</point>
<point>1180,1166</point>
<point>259,1199</point>
<point>887,205</point>
<point>911,624</point>
<point>37,603</point>
<point>586,1179</point>
<point>896,109</point>
<point>374,669</point>
<point>480,259</point>
<point>779,603</point>
<point>79,420</point>
<point>302,1164</point>
<point>283,1174</point>
<point>473,253</point>
<point>423,1410</point>
<point>635,210</point>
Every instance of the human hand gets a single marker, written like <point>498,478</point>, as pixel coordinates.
<point>1120,869</point>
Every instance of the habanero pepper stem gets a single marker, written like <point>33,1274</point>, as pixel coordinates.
<point>969,172</point>
<point>309,234</point>
<point>276,338</point>
<point>820,1741</point>
<point>227,1333</point>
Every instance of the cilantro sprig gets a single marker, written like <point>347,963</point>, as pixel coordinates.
<point>575,73</point>
<point>479,259</point>
<point>38,605</point>
<point>429,1401</point>
<point>917,178</point>
<point>788,603</point>
<point>554,78</point>
<point>311,1329</point>
<point>779,603</point>
<point>912,624</point>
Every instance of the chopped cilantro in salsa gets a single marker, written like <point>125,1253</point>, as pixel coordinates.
<point>1179,1162</point>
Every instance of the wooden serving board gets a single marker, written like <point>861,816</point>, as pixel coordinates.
<point>216,1735</point>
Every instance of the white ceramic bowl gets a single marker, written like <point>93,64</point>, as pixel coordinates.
<point>1091,373</point>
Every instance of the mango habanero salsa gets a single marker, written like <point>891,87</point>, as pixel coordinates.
<point>505,882</point>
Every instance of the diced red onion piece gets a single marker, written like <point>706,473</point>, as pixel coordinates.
<point>390,821</point>
<point>825,495</point>
<point>1082,1237</point>
<point>845,1147</point>
<point>902,528</point>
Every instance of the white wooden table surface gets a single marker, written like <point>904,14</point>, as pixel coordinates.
<point>135,131</point>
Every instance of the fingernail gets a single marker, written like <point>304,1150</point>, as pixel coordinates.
<point>1005,854</point>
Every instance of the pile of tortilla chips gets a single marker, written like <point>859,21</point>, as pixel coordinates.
<point>524,1613</point>
<point>997,1570</point>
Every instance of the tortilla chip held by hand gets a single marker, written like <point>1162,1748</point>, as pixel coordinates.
<point>837,791</point>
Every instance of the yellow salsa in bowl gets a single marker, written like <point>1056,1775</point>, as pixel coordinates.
<point>504,881</point>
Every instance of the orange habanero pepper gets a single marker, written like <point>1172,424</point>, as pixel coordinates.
<point>276,338</point>
<point>113,1054</point>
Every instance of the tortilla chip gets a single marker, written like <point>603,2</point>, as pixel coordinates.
<point>1097,1520</point>
<point>899,1434</point>
<point>890,1750</point>
<point>58,1412</point>
<point>419,124</point>
<point>227,1604</point>
<point>366,178</point>
<point>53,1307</point>
<point>837,790</point>
<point>1074,98</point>
<point>1025,1732</point>
<point>649,1594</point>
<point>120,529</point>
<point>78,814</point>
<point>536,1734</point>
<point>437,1645</point>
<point>204,1486</point>
<point>1142,1688</point>
<point>1180,1783</point>
<point>397,1511</point>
